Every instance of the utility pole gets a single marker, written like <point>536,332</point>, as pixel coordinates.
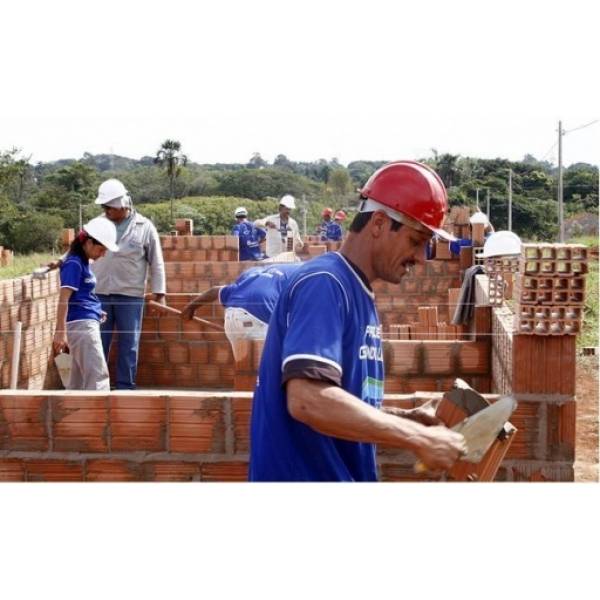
<point>477,198</point>
<point>561,224</point>
<point>510,199</point>
<point>304,213</point>
<point>487,204</point>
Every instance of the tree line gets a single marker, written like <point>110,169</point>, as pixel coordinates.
<point>38,200</point>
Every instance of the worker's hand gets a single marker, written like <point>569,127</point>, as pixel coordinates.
<point>442,447</point>
<point>271,225</point>
<point>55,264</point>
<point>424,414</point>
<point>59,343</point>
<point>103,316</point>
<point>161,299</point>
<point>188,312</point>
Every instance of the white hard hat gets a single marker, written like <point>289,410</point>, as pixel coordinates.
<point>502,243</point>
<point>288,201</point>
<point>111,189</point>
<point>479,217</point>
<point>104,231</point>
<point>240,211</point>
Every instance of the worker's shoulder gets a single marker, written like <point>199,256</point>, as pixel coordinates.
<point>329,265</point>
<point>140,219</point>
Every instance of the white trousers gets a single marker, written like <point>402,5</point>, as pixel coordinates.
<point>88,366</point>
<point>240,326</point>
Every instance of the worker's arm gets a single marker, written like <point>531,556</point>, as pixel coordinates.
<point>332,411</point>
<point>59,343</point>
<point>156,262</point>
<point>206,297</point>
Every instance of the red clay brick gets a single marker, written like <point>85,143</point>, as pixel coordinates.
<point>153,352</point>
<point>113,470</point>
<point>177,352</point>
<point>475,358</point>
<point>220,353</point>
<point>197,424</point>
<point>12,470</point>
<point>138,423</point>
<point>23,423</point>
<point>80,424</point>
<point>53,470</point>
<point>225,471</point>
<point>198,352</point>
<point>439,357</point>
<point>403,357</point>
<point>173,471</point>
<point>169,328</point>
<point>241,409</point>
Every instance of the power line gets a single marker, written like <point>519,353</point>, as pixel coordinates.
<point>580,127</point>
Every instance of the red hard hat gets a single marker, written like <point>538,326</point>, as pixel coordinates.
<point>409,192</point>
<point>327,212</point>
<point>340,214</point>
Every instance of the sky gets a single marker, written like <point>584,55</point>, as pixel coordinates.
<point>309,80</point>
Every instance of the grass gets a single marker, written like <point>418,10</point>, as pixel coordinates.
<point>24,264</point>
<point>589,333</point>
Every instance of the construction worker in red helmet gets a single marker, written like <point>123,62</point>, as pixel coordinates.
<point>329,230</point>
<point>317,410</point>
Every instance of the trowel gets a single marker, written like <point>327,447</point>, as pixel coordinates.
<point>480,430</point>
<point>63,364</point>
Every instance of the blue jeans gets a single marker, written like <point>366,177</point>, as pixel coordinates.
<point>124,314</point>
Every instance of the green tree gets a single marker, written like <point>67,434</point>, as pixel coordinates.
<point>170,157</point>
<point>339,183</point>
<point>257,161</point>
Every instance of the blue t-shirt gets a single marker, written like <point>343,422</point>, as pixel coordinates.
<point>330,231</point>
<point>257,289</point>
<point>250,238</point>
<point>83,304</point>
<point>325,316</point>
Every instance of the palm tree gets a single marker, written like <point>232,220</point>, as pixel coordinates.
<point>172,159</point>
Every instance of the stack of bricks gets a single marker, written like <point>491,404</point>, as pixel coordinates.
<point>6,257</point>
<point>550,289</point>
<point>500,273</point>
<point>33,302</point>
<point>458,222</point>
<point>428,327</point>
<point>200,248</point>
<point>184,226</point>
<point>313,246</point>
<point>427,284</point>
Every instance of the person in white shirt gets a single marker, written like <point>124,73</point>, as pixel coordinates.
<point>281,228</point>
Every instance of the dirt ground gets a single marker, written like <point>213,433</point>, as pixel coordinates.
<point>586,452</point>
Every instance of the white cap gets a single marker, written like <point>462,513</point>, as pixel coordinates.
<point>288,201</point>
<point>113,190</point>
<point>240,211</point>
<point>479,217</point>
<point>502,243</point>
<point>104,231</point>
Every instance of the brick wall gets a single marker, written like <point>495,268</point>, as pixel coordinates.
<point>33,302</point>
<point>203,436</point>
<point>426,285</point>
<point>540,372</point>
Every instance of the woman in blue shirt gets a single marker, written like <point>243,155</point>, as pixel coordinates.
<point>79,309</point>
